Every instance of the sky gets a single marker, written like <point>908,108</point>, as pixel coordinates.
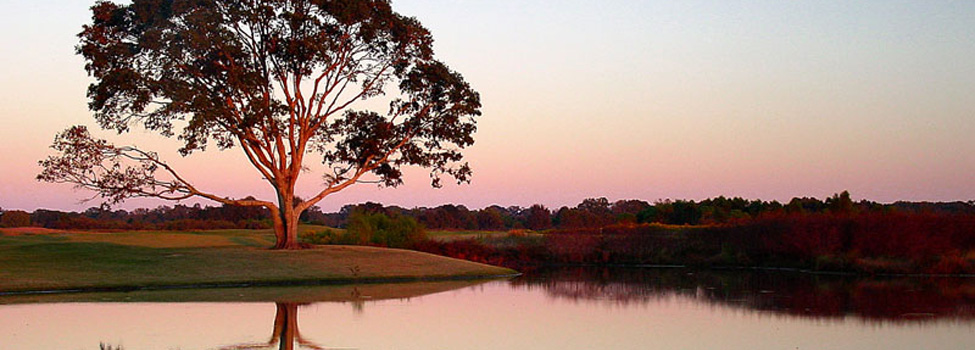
<point>621,99</point>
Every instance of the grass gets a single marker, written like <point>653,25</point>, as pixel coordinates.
<point>141,260</point>
<point>452,235</point>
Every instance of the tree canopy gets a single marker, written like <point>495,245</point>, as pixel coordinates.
<point>279,80</point>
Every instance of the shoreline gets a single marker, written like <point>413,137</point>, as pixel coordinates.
<point>258,284</point>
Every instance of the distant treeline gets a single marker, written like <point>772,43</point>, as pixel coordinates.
<point>178,218</point>
<point>590,213</point>
<point>600,212</point>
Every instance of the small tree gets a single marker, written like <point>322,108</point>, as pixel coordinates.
<point>275,78</point>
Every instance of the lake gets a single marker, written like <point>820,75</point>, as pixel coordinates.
<point>580,308</point>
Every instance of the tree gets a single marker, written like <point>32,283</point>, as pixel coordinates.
<point>14,218</point>
<point>277,79</point>
<point>840,203</point>
<point>685,213</point>
<point>491,218</point>
<point>538,217</point>
<point>647,215</point>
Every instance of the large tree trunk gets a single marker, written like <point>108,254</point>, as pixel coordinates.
<point>286,221</point>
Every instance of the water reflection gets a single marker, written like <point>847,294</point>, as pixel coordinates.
<point>783,293</point>
<point>285,334</point>
<point>144,306</point>
<point>620,309</point>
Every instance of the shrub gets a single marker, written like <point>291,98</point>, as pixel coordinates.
<point>524,256</point>
<point>400,231</point>
<point>376,229</point>
<point>327,236</point>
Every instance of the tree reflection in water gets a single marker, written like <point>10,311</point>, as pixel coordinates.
<point>785,293</point>
<point>285,335</point>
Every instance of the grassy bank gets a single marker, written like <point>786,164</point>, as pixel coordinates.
<point>141,260</point>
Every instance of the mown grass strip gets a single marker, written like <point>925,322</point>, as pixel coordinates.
<point>152,260</point>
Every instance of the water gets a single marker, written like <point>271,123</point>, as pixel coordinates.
<point>564,309</point>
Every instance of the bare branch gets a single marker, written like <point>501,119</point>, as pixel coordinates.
<point>118,173</point>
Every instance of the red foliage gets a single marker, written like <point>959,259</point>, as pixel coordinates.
<point>877,242</point>
<point>867,243</point>
<point>518,257</point>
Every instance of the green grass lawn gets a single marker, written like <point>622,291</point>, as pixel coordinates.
<point>136,260</point>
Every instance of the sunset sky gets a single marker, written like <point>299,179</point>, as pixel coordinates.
<point>623,99</point>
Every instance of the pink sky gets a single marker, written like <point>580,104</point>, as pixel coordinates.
<point>622,99</point>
